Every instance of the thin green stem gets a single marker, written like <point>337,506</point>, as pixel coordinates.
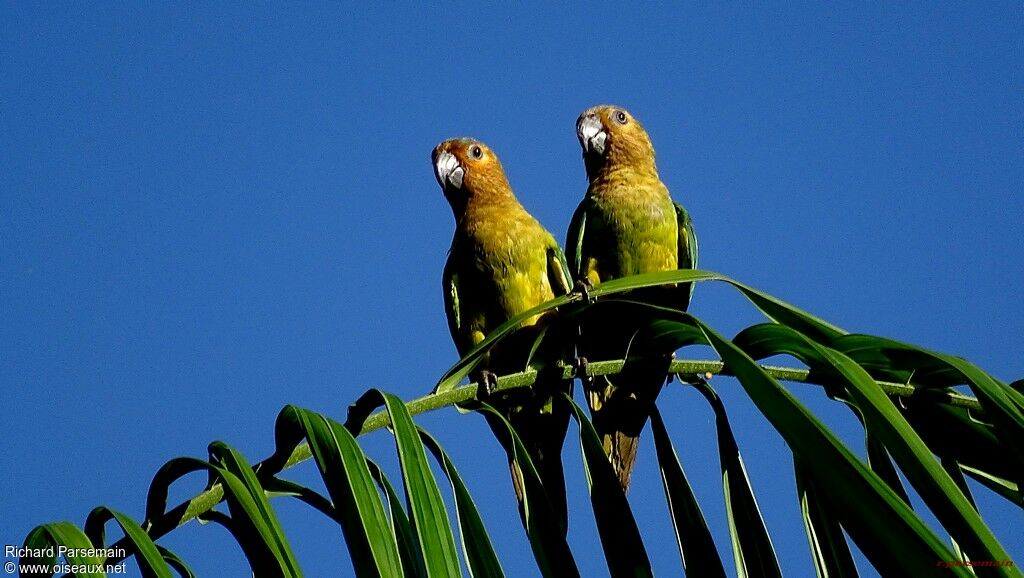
<point>207,500</point>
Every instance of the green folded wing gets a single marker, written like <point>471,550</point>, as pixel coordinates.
<point>574,240</point>
<point>687,245</point>
<point>559,274</point>
<point>687,239</point>
<point>451,305</point>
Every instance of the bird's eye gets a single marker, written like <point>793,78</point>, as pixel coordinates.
<point>620,117</point>
<point>476,152</point>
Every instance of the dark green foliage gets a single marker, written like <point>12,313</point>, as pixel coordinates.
<point>915,425</point>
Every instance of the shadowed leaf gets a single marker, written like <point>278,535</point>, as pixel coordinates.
<point>429,516</point>
<point>696,547</point>
<point>620,537</point>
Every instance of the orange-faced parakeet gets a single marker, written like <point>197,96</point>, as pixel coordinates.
<point>627,224</point>
<point>503,262</point>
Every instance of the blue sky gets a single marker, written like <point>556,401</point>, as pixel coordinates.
<point>209,212</point>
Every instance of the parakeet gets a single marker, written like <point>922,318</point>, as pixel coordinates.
<point>503,262</point>
<point>627,224</point>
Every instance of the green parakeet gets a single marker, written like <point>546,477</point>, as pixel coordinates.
<point>627,224</point>
<point>503,262</point>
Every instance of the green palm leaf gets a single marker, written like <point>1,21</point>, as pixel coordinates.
<point>540,520</point>
<point>429,516</point>
<point>903,395</point>
<point>620,537</point>
<point>356,502</point>
<point>696,547</point>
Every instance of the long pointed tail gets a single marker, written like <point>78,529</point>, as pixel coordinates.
<point>620,406</point>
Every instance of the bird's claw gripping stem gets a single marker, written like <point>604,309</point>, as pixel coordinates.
<point>487,382</point>
<point>583,287</point>
<point>580,365</point>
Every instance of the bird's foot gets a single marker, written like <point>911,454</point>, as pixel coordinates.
<point>583,287</point>
<point>580,365</point>
<point>487,382</point>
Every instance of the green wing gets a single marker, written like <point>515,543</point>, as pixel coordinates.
<point>574,240</point>
<point>687,246</point>
<point>559,274</point>
<point>687,239</point>
<point>450,287</point>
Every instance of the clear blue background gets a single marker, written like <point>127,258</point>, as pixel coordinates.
<point>209,212</point>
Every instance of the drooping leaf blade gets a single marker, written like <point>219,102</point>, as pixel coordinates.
<point>753,551</point>
<point>174,561</point>
<point>429,516</point>
<point>620,537</point>
<point>151,562</point>
<point>541,521</point>
<point>915,459</point>
<point>408,544</point>
<point>356,502</point>
<point>266,544</point>
<point>696,547</point>
<point>829,550</point>
<point>875,516</point>
<point>49,537</point>
<point>774,308</point>
<point>479,553</point>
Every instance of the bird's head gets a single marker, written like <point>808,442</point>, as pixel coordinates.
<point>612,137</point>
<point>467,168</point>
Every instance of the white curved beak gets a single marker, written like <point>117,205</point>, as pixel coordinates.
<point>448,170</point>
<point>591,134</point>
